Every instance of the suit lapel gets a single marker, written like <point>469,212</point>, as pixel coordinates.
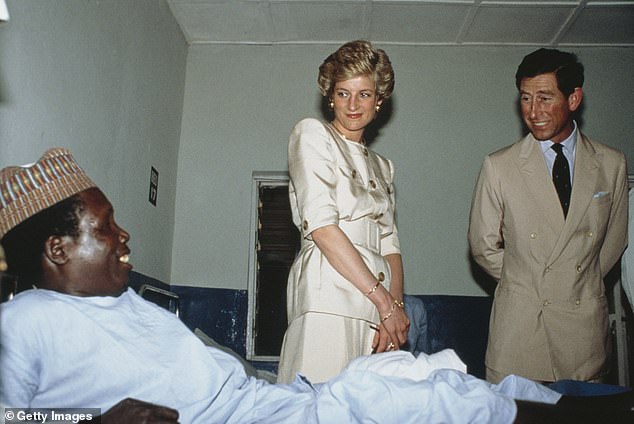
<point>539,183</point>
<point>583,187</point>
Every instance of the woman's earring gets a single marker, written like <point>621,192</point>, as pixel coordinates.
<point>331,105</point>
<point>378,108</point>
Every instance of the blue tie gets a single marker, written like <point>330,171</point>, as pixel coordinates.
<point>561,177</point>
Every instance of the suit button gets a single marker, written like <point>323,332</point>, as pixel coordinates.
<point>590,234</point>
<point>305,225</point>
<point>372,184</point>
<point>577,302</point>
<point>579,268</point>
<point>381,277</point>
<point>354,173</point>
<point>533,235</point>
<point>546,303</point>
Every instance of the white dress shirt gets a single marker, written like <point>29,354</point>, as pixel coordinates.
<point>570,146</point>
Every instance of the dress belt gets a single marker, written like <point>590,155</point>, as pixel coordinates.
<point>363,232</point>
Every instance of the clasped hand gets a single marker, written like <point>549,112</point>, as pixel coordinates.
<point>392,331</point>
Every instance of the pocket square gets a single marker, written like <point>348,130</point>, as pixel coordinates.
<point>600,194</point>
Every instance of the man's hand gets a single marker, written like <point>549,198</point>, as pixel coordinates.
<point>133,411</point>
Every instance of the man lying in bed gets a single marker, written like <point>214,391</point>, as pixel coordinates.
<point>84,340</point>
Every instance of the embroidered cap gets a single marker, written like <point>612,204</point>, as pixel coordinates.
<point>29,189</point>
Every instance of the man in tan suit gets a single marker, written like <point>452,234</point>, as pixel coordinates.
<point>549,251</point>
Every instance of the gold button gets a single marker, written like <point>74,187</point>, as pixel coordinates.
<point>579,268</point>
<point>546,303</point>
<point>577,302</point>
<point>590,234</point>
<point>354,173</point>
<point>533,235</point>
<point>372,184</point>
<point>381,276</point>
<point>365,152</point>
<point>305,225</point>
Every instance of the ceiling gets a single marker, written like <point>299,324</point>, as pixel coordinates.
<point>408,22</point>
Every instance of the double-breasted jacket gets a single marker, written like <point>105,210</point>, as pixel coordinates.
<point>550,314</point>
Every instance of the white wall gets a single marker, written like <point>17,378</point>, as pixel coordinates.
<point>105,79</point>
<point>111,80</point>
<point>452,105</point>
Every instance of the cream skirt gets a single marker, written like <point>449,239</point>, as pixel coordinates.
<point>319,346</point>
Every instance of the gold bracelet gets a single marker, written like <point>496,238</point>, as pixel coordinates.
<point>389,314</point>
<point>373,289</point>
<point>399,303</point>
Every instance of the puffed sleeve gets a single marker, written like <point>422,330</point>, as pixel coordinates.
<point>311,167</point>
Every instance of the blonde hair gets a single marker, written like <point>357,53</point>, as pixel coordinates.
<point>353,59</point>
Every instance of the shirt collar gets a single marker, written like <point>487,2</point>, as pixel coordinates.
<point>570,143</point>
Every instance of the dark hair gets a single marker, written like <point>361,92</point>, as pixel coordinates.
<point>568,70</point>
<point>24,244</point>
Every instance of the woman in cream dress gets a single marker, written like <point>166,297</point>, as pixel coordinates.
<point>345,288</point>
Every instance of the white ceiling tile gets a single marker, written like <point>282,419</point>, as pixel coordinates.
<point>224,22</point>
<point>497,22</point>
<point>602,25</point>
<point>517,24</point>
<point>315,21</point>
<point>418,23</point>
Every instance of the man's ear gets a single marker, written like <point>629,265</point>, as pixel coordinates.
<point>55,249</point>
<point>574,100</point>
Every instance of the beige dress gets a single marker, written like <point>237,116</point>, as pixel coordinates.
<point>334,181</point>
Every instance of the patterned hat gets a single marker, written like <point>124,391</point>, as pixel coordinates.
<point>29,189</point>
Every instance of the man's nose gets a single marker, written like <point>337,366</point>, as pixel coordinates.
<point>534,108</point>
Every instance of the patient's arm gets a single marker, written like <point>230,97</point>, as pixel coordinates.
<point>133,411</point>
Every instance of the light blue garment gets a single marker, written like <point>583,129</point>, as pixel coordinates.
<point>65,351</point>
<point>417,337</point>
<point>569,151</point>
